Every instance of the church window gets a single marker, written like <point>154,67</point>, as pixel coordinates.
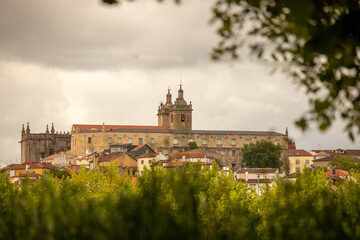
<point>219,142</point>
<point>204,141</point>
<point>130,140</point>
<point>152,140</point>
<point>175,141</point>
<point>233,142</point>
<point>140,141</point>
<point>182,117</point>
<point>233,153</point>
<point>110,140</point>
<point>119,140</point>
<point>89,139</point>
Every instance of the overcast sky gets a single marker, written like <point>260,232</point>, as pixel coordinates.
<point>82,62</point>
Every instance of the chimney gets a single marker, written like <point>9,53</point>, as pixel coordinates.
<point>334,171</point>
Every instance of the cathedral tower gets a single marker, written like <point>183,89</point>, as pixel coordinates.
<point>177,116</point>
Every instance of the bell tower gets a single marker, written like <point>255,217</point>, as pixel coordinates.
<point>180,115</point>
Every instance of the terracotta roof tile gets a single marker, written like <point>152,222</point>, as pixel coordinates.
<point>338,172</point>
<point>138,147</point>
<point>147,155</point>
<point>110,156</point>
<point>299,152</point>
<point>53,156</point>
<point>94,127</point>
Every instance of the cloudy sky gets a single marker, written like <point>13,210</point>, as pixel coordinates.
<point>82,62</point>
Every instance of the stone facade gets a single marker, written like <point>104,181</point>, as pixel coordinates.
<point>172,135</point>
<point>35,146</point>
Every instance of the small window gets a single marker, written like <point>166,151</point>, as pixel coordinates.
<point>204,142</point>
<point>152,140</point>
<point>297,169</point>
<point>89,139</point>
<point>165,151</point>
<point>247,141</point>
<point>171,118</point>
<point>130,140</point>
<point>140,141</point>
<point>119,140</point>
<point>175,141</point>
<point>182,117</point>
<point>219,142</point>
<point>233,142</point>
<point>191,140</point>
<point>276,142</point>
<point>307,161</point>
<point>297,161</point>
<point>219,150</point>
<point>233,153</point>
<point>149,161</point>
<point>142,161</point>
<point>86,151</point>
<point>109,140</point>
<point>142,172</point>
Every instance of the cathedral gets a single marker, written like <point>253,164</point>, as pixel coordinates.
<point>173,134</point>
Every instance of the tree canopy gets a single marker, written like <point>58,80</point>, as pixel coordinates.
<point>263,154</point>
<point>345,163</point>
<point>317,43</point>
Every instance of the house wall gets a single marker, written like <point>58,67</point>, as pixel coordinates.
<point>147,163</point>
<point>299,167</point>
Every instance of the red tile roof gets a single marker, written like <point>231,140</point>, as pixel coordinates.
<point>187,155</point>
<point>338,172</point>
<point>84,127</point>
<point>53,156</point>
<point>138,147</point>
<point>147,155</point>
<point>110,156</point>
<point>299,152</point>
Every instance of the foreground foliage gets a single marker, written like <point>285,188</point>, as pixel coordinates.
<point>165,204</point>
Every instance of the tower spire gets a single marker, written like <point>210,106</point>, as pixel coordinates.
<point>52,128</point>
<point>168,96</point>
<point>27,128</point>
<point>23,130</point>
<point>47,129</point>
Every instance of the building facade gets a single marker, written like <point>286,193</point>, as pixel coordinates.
<point>173,133</point>
<point>35,146</point>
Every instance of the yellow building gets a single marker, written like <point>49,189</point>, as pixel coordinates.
<point>118,159</point>
<point>299,159</point>
<point>145,160</point>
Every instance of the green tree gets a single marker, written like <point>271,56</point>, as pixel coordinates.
<point>317,43</point>
<point>191,146</point>
<point>263,154</point>
<point>345,163</point>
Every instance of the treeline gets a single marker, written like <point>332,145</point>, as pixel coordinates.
<point>164,204</point>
